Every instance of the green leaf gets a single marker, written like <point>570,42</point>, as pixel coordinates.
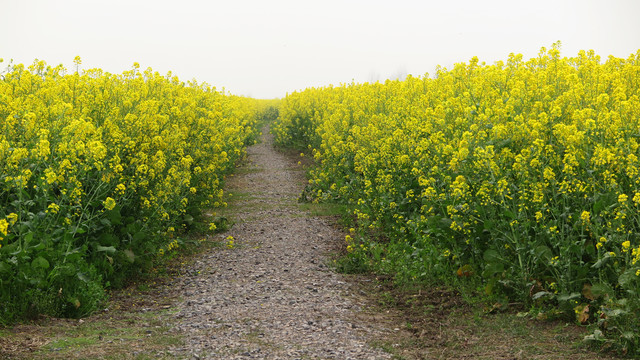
<point>445,223</point>
<point>540,294</point>
<point>510,214</point>
<point>133,227</point>
<point>492,268</point>
<point>599,205</point>
<point>73,255</point>
<point>82,277</point>
<point>615,312</point>
<point>18,251</point>
<point>108,249</point>
<point>12,248</point>
<point>40,262</point>
<point>114,215</point>
<point>543,253</point>
<point>627,278</point>
<point>38,247</point>
<point>630,335</point>
<point>130,255</point>
<point>567,297</point>
<point>4,268</point>
<point>596,336</point>
<point>140,235</point>
<point>491,256</point>
<point>599,290</point>
<point>108,239</point>
<point>488,225</point>
<point>602,261</point>
<point>28,238</point>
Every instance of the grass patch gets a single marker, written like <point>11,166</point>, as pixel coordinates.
<point>123,336</point>
<point>239,196</point>
<point>439,323</point>
<point>325,209</point>
<point>246,169</point>
<point>66,343</point>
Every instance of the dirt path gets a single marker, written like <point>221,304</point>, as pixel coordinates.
<point>272,296</point>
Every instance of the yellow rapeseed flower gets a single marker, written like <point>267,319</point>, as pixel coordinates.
<point>53,208</point>
<point>4,227</point>
<point>585,216</point>
<point>13,217</point>
<point>109,203</point>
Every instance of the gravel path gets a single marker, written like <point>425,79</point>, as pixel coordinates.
<point>272,296</point>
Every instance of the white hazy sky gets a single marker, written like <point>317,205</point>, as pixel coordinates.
<point>265,49</point>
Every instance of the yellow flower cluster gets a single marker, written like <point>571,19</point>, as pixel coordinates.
<point>230,242</point>
<point>524,159</point>
<point>4,226</point>
<point>102,163</point>
<point>81,137</point>
<point>170,247</point>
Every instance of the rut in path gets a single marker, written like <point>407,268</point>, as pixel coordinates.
<point>272,295</point>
